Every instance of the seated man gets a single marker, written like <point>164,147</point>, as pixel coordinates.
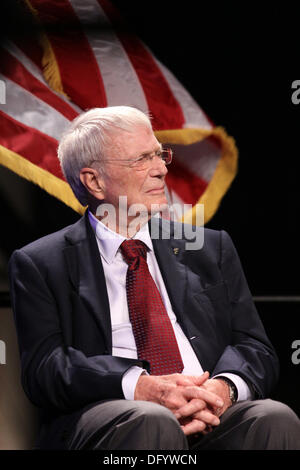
<point>128,339</point>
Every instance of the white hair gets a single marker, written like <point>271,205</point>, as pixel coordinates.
<point>89,137</point>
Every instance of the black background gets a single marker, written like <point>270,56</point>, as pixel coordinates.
<point>238,60</point>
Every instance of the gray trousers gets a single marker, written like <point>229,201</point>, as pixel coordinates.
<point>134,425</point>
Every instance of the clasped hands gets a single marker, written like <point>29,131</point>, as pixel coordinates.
<point>196,401</point>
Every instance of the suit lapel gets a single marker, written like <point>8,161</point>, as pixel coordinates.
<point>86,274</point>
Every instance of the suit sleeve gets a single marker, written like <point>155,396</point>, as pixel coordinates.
<point>55,375</point>
<point>250,354</point>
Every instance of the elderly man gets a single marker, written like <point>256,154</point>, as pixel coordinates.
<point>130,340</point>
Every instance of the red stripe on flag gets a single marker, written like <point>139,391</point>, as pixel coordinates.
<point>31,144</point>
<point>15,71</point>
<point>162,104</point>
<point>79,71</point>
<point>186,184</point>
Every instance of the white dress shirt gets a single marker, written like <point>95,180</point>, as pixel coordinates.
<point>123,342</point>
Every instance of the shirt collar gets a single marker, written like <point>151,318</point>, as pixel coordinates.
<point>109,241</point>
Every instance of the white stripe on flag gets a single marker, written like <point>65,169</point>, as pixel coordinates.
<point>193,114</point>
<point>200,158</point>
<point>34,70</point>
<point>21,57</point>
<point>31,111</point>
<point>121,83</point>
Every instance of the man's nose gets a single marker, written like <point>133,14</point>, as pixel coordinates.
<point>158,167</point>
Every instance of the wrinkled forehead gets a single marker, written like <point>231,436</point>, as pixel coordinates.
<point>139,141</point>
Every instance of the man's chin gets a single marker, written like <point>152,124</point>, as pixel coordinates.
<point>158,199</point>
<point>161,206</point>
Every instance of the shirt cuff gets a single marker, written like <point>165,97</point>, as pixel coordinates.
<point>129,381</point>
<point>244,392</point>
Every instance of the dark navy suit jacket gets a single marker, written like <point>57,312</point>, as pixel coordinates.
<point>63,322</point>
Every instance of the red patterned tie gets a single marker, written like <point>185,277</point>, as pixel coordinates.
<point>152,329</point>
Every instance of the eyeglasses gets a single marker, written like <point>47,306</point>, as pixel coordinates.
<point>144,161</point>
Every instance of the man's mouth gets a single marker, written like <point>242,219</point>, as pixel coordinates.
<point>156,190</point>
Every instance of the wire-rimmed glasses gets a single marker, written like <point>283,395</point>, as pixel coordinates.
<point>145,160</point>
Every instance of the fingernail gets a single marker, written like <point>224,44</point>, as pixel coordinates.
<point>219,403</point>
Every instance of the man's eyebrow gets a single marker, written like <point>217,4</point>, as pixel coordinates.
<point>160,147</point>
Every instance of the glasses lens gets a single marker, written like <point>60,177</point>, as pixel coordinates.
<point>167,156</point>
<point>146,160</point>
<point>141,162</point>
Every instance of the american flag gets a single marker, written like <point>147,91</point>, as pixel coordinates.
<point>82,55</point>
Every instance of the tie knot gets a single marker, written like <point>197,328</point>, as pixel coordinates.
<point>132,249</point>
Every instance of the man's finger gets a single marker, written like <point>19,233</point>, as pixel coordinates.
<point>197,409</point>
<point>192,379</point>
<point>191,408</point>
<point>207,417</point>
<point>200,379</point>
<point>193,427</point>
<point>210,398</point>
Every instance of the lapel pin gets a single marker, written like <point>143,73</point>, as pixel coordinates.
<point>176,251</point>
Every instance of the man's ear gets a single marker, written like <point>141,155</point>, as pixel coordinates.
<point>93,182</point>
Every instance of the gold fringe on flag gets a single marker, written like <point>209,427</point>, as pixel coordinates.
<point>46,180</point>
<point>50,66</point>
<point>225,171</point>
